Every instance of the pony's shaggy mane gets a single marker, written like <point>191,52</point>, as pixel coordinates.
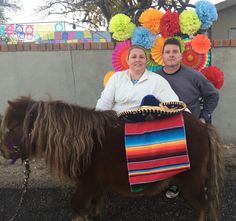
<point>65,135</point>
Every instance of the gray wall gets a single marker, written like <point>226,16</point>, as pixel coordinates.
<point>226,21</point>
<point>77,76</point>
<point>224,116</point>
<point>74,76</point>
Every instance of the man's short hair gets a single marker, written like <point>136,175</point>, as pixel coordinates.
<point>172,41</point>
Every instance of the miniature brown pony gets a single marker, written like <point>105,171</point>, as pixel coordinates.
<point>87,147</point>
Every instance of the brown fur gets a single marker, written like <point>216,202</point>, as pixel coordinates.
<point>87,146</point>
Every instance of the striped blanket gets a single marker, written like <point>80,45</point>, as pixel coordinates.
<point>155,150</point>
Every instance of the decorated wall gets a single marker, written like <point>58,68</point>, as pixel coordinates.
<point>54,32</point>
<point>186,23</point>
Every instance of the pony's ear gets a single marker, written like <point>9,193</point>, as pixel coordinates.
<point>10,103</point>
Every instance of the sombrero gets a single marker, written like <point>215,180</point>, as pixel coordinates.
<point>147,111</point>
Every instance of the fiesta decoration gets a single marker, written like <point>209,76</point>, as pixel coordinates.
<point>207,13</point>
<point>169,25</point>
<point>156,50</point>
<point>150,19</point>
<point>189,22</point>
<point>107,77</point>
<point>201,44</point>
<point>120,55</point>
<point>194,59</point>
<point>154,26</point>
<point>142,36</point>
<point>121,27</point>
<point>151,64</point>
<point>214,75</point>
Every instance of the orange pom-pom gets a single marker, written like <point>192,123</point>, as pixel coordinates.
<point>201,44</point>
<point>107,77</point>
<point>150,19</point>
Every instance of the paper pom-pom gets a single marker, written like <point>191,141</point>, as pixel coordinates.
<point>156,50</point>
<point>206,12</point>
<point>214,75</point>
<point>194,59</point>
<point>151,64</point>
<point>142,36</point>
<point>120,55</point>
<point>169,25</point>
<point>107,77</point>
<point>201,44</point>
<point>150,19</point>
<point>121,27</point>
<point>189,22</point>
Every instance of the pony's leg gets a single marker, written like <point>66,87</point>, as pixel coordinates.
<point>194,191</point>
<point>86,203</point>
<point>79,218</point>
<point>199,205</point>
<point>199,212</point>
<point>95,209</point>
<point>91,213</point>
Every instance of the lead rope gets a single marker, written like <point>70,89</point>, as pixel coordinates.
<point>24,188</point>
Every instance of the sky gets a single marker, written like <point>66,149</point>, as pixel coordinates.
<point>27,14</point>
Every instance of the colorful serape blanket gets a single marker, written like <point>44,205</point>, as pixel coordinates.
<point>155,150</point>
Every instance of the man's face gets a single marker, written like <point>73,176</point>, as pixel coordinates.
<point>172,56</point>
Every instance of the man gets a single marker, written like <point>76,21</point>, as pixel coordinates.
<point>190,85</point>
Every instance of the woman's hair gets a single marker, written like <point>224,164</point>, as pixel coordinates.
<point>172,41</point>
<point>137,46</point>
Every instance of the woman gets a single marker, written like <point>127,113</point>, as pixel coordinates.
<point>126,89</point>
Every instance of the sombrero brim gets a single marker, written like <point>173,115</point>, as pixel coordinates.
<point>145,113</point>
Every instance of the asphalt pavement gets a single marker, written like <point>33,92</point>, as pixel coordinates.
<point>46,201</point>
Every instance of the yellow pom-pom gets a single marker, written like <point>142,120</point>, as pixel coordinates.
<point>189,22</point>
<point>121,27</point>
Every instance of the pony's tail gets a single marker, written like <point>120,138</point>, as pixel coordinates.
<point>215,178</point>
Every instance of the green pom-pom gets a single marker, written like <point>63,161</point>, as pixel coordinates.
<point>189,22</point>
<point>121,27</point>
